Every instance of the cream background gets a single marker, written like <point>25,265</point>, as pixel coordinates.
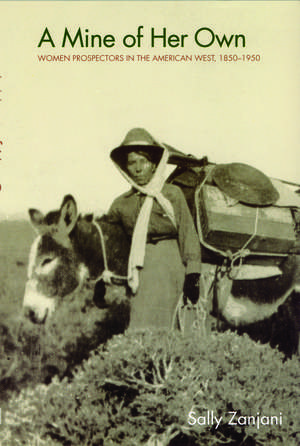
<point>59,121</point>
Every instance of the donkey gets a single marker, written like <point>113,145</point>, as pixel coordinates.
<point>68,250</point>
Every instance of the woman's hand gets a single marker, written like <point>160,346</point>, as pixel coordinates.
<point>191,288</point>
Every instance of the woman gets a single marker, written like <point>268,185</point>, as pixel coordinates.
<point>165,250</point>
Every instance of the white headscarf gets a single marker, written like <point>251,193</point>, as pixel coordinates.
<point>152,190</point>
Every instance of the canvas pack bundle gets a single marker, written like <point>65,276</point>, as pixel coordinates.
<point>227,225</point>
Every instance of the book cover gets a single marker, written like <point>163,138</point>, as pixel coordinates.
<point>214,79</point>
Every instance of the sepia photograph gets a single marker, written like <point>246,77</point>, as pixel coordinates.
<point>149,223</point>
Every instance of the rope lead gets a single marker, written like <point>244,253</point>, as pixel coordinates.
<point>107,276</point>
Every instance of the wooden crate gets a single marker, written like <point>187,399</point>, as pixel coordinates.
<point>229,226</point>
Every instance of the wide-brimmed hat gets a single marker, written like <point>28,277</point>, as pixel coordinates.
<point>137,140</point>
<point>245,184</point>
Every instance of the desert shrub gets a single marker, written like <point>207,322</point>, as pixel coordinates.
<point>141,387</point>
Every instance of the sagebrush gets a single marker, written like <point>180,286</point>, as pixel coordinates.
<point>140,388</point>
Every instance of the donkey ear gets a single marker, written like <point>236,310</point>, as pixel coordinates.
<point>36,218</point>
<point>68,213</point>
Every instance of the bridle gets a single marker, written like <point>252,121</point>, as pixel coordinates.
<point>107,276</point>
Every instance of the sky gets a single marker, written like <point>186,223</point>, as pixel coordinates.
<point>60,120</point>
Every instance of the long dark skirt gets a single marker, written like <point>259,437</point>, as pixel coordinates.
<point>160,286</point>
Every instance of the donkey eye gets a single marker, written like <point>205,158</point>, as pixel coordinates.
<point>46,261</point>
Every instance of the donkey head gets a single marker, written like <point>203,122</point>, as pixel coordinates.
<point>54,269</point>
